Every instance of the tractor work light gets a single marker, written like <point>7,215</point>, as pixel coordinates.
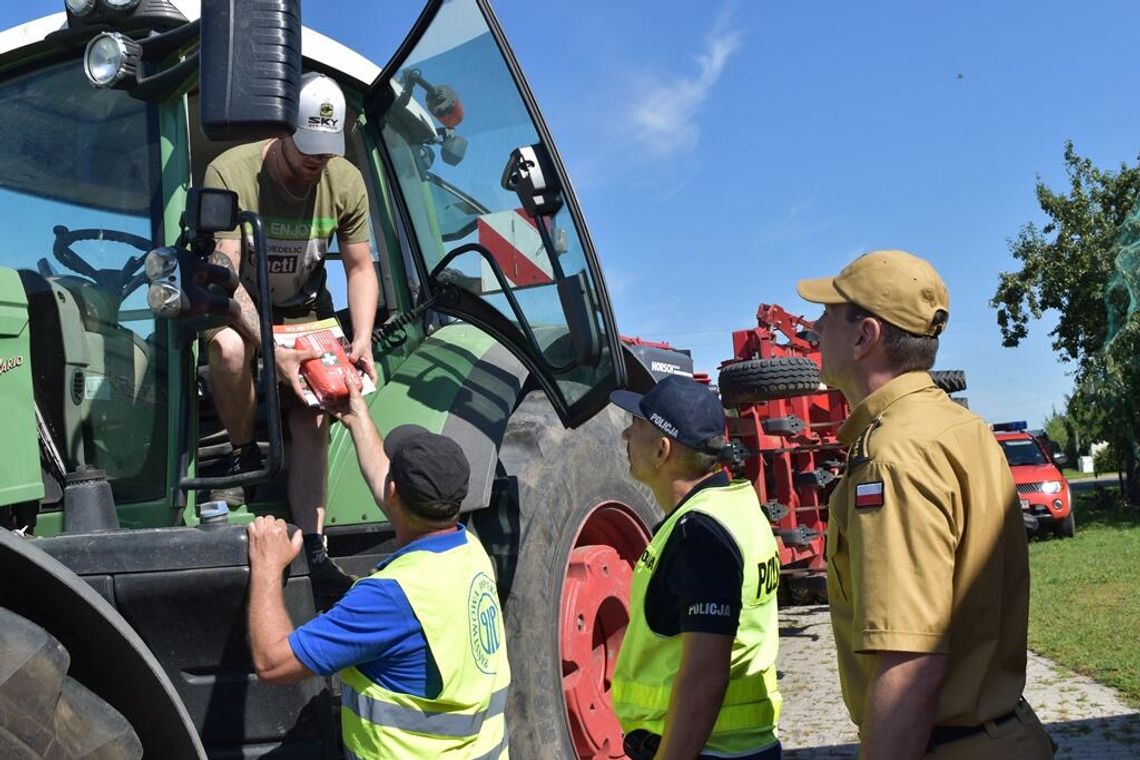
<point>120,5</point>
<point>161,263</point>
<point>164,300</point>
<point>80,7</point>
<point>164,296</point>
<point>1051,486</point>
<point>112,60</point>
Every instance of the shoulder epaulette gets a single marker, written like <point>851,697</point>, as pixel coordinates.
<point>861,450</point>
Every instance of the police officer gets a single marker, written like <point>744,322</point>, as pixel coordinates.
<point>696,674</point>
<point>928,573</point>
<point>418,645</point>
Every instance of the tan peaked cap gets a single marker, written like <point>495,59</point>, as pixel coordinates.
<point>896,286</point>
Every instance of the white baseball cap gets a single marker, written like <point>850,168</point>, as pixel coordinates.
<point>320,117</point>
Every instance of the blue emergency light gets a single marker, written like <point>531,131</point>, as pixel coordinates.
<point>1005,427</point>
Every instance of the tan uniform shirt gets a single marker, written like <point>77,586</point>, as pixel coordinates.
<point>927,551</point>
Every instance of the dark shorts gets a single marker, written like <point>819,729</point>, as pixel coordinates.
<point>321,307</point>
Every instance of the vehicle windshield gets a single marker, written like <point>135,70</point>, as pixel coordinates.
<point>452,179</point>
<point>1020,451</point>
<point>79,186</point>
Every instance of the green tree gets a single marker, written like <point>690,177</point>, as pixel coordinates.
<point>1059,430</point>
<point>1070,265</point>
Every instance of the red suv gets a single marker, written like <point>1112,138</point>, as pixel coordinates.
<point>1046,503</point>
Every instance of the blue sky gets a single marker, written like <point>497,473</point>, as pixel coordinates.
<point>721,151</point>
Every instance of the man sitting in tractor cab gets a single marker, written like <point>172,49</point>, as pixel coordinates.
<point>304,190</point>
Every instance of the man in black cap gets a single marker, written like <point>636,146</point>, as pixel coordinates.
<point>696,675</point>
<point>419,644</point>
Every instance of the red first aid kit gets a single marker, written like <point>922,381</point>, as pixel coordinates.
<point>325,374</point>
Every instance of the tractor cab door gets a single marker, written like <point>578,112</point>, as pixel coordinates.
<point>490,220</point>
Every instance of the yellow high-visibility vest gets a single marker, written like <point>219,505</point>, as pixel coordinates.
<point>648,662</point>
<point>454,597</point>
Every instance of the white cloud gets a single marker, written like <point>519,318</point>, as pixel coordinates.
<point>665,117</point>
<point>617,281</point>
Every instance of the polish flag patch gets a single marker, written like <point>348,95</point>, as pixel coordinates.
<point>869,495</point>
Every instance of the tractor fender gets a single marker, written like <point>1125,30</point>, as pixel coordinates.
<point>459,382</point>
<point>478,418</point>
<point>107,656</point>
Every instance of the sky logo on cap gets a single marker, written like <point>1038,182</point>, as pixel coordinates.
<point>324,120</point>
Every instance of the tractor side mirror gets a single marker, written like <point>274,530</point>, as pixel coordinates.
<point>530,174</point>
<point>453,148</point>
<point>210,210</point>
<point>249,68</point>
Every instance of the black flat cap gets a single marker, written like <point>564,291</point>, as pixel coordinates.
<point>430,470</point>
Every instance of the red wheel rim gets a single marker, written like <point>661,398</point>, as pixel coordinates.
<point>595,612</point>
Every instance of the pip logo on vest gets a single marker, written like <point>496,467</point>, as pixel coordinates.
<point>484,620</point>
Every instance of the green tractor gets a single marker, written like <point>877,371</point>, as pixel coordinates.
<point>122,612</point>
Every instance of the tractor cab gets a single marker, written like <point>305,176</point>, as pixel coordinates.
<point>494,328</point>
<point>111,119</point>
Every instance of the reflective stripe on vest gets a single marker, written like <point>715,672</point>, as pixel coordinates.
<point>648,662</point>
<point>498,753</point>
<point>456,602</point>
<point>456,725</point>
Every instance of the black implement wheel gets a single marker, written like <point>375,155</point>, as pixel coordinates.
<point>581,525</point>
<point>949,380</point>
<point>1067,528</point>
<point>43,712</point>
<point>753,380</point>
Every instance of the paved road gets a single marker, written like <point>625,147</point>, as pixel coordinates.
<point>1086,720</point>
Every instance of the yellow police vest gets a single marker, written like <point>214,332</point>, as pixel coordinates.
<point>454,597</point>
<point>648,662</point>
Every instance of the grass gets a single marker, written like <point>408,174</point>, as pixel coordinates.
<point>1083,608</point>
<point>1071,474</point>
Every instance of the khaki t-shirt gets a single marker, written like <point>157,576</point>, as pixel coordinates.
<point>297,231</point>
<point>927,551</point>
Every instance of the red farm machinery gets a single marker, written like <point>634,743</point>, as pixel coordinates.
<point>784,423</point>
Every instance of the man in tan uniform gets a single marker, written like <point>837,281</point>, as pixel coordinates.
<point>304,191</point>
<point>928,568</point>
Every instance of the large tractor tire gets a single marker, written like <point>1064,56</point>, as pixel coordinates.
<point>46,714</point>
<point>949,380</point>
<point>582,524</point>
<point>754,380</point>
<point>54,623</point>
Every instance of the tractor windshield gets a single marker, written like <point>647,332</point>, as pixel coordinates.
<point>457,115</point>
<point>79,186</point>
